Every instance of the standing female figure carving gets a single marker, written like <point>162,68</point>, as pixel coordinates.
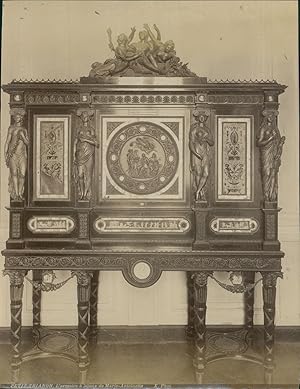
<point>200,142</point>
<point>15,151</point>
<point>84,150</point>
<point>271,143</point>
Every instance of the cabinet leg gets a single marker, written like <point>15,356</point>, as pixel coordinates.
<point>269,297</point>
<point>36,303</point>
<point>16,278</point>
<point>200,296</point>
<point>94,306</point>
<point>190,294</point>
<point>83,297</point>
<point>249,278</point>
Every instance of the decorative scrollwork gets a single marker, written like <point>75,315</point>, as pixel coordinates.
<point>192,261</point>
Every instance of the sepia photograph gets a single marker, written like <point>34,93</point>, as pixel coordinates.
<point>149,201</point>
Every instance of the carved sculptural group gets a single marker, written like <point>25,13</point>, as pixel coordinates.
<point>147,56</point>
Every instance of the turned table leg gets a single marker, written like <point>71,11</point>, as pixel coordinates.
<point>36,302</point>
<point>269,298</point>
<point>94,306</point>
<point>83,298</point>
<point>16,278</point>
<point>190,295</point>
<point>200,296</point>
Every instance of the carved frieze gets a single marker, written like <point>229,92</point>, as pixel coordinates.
<point>235,99</point>
<point>234,225</point>
<point>161,98</point>
<point>51,224</point>
<point>51,98</point>
<point>142,224</point>
<point>165,261</point>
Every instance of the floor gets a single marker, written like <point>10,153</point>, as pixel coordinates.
<point>164,363</point>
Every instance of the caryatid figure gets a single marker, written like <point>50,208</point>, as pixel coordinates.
<point>15,151</point>
<point>199,143</point>
<point>84,150</point>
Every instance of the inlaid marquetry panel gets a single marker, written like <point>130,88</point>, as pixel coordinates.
<point>234,158</point>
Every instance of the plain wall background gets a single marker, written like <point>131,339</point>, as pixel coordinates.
<point>220,40</point>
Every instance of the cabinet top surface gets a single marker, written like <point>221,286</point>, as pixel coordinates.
<point>156,83</point>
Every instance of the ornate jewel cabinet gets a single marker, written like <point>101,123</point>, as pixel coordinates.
<point>143,173</point>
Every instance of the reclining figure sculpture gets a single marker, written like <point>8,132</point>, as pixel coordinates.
<point>147,57</point>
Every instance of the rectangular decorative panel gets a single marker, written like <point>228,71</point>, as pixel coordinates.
<point>51,157</point>
<point>142,157</point>
<point>234,158</point>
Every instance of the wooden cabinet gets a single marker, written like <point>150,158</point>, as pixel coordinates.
<point>144,175</point>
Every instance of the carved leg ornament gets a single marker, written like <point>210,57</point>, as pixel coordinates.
<point>200,296</point>
<point>94,306</point>
<point>83,296</point>
<point>249,278</point>
<point>269,297</point>
<point>36,302</point>
<point>190,290</point>
<point>16,278</point>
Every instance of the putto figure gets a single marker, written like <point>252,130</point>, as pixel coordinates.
<point>147,56</point>
<point>84,150</point>
<point>199,143</point>
<point>15,150</point>
<point>271,143</point>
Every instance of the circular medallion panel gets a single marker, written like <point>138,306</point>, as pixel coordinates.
<point>142,270</point>
<point>142,158</point>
